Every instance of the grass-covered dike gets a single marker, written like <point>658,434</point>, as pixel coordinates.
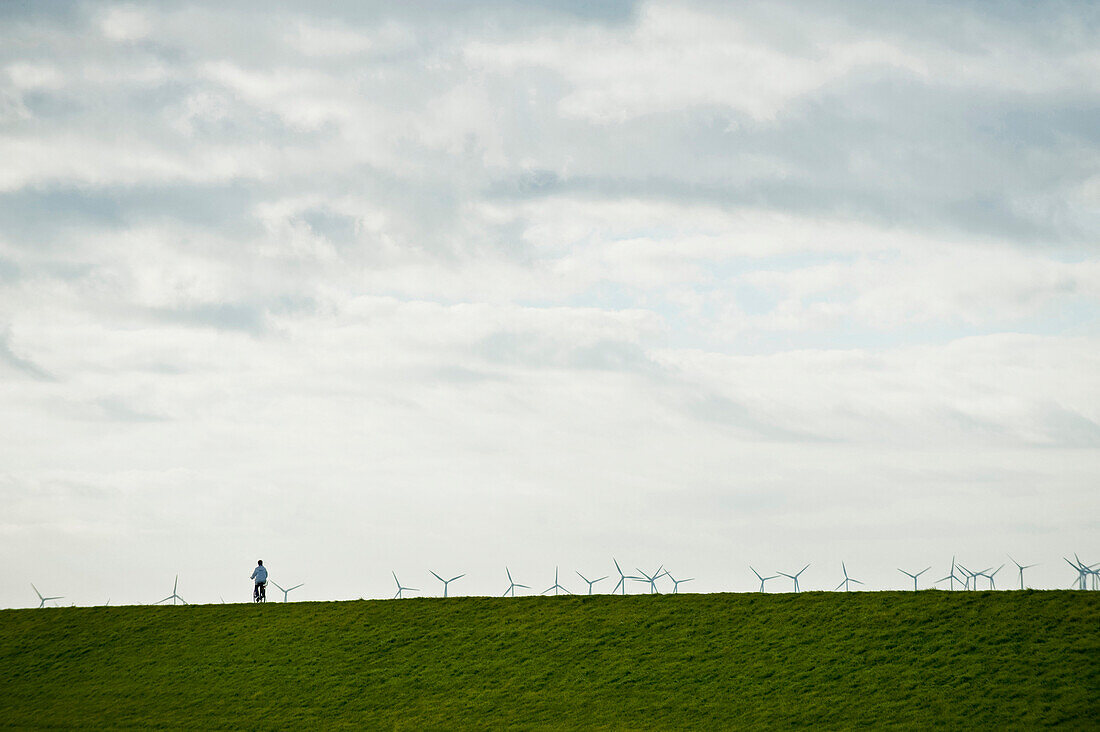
<point>834,660</point>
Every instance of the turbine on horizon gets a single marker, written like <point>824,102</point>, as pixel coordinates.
<point>287,591</point>
<point>651,580</point>
<point>400,588</point>
<point>914,576</point>
<point>556,586</point>
<point>847,579</point>
<point>175,595</point>
<point>676,582</point>
<point>762,579</point>
<point>446,583</point>
<point>794,576</point>
<point>512,585</point>
<point>953,579</point>
<point>42,600</point>
<point>1022,567</point>
<point>622,577</point>
<point>591,582</point>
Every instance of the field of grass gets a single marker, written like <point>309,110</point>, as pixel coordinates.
<point>835,660</point>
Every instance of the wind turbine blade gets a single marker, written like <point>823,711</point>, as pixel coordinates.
<point>839,586</point>
<point>804,569</point>
<point>452,579</point>
<point>37,592</point>
<point>526,587</point>
<point>601,579</point>
<point>581,576</point>
<point>856,581</point>
<point>756,573</point>
<point>277,585</point>
<point>437,576</point>
<point>295,587</point>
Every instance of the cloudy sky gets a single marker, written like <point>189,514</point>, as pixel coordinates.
<point>453,286</point>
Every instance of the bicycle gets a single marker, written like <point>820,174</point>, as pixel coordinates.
<point>259,592</point>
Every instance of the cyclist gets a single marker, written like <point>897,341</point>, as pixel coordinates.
<point>259,592</point>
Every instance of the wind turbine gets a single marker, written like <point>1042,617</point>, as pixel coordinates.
<point>555,587</point>
<point>951,576</point>
<point>174,596</point>
<point>990,576</point>
<point>622,577</point>
<point>1021,567</point>
<point>914,576</point>
<point>847,579</point>
<point>1083,573</point>
<point>42,600</point>
<point>795,576</point>
<point>512,585</point>
<point>446,582</point>
<point>676,582</point>
<point>651,580</point>
<point>762,579</point>
<point>969,576</point>
<point>286,592</point>
<point>400,588</point>
<point>591,582</point>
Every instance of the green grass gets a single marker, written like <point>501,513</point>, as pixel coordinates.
<point>832,660</point>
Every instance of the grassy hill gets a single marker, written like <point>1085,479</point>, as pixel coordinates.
<point>880,659</point>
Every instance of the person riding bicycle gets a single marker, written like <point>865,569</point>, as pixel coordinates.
<point>260,576</point>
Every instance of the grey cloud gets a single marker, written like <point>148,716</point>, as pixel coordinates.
<point>537,351</point>
<point>242,317</point>
<point>119,410</point>
<point>20,364</point>
<point>728,413</point>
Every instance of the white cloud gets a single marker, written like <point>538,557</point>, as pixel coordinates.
<point>480,283</point>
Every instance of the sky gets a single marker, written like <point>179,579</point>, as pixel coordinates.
<point>372,287</point>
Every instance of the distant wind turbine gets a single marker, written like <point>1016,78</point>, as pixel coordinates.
<point>175,595</point>
<point>556,586</point>
<point>591,582</point>
<point>763,579</point>
<point>990,576</point>
<point>287,591</point>
<point>914,576</point>
<point>622,577</point>
<point>676,582</point>
<point>512,585</point>
<point>795,576</point>
<point>847,579</point>
<point>42,600</point>
<point>1022,567</point>
<point>400,589</point>
<point>446,582</point>
<point>951,577</point>
<point>652,580</point>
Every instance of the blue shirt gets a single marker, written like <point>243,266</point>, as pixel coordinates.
<point>260,573</point>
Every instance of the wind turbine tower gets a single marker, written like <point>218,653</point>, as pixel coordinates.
<point>400,589</point>
<point>847,579</point>
<point>676,582</point>
<point>652,580</point>
<point>446,583</point>
<point>287,591</point>
<point>763,579</point>
<point>1021,567</point>
<point>511,591</point>
<point>914,576</point>
<point>795,576</point>
<point>556,586</point>
<point>42,600</point>
<point>622,577</point>
<point>591,582</point>
<point>175,595</point>
<point>951,577</point>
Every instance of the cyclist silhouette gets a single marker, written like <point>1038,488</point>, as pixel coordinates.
<point>259,591</point>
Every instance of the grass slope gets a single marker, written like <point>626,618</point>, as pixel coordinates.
<point>903,659</point>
